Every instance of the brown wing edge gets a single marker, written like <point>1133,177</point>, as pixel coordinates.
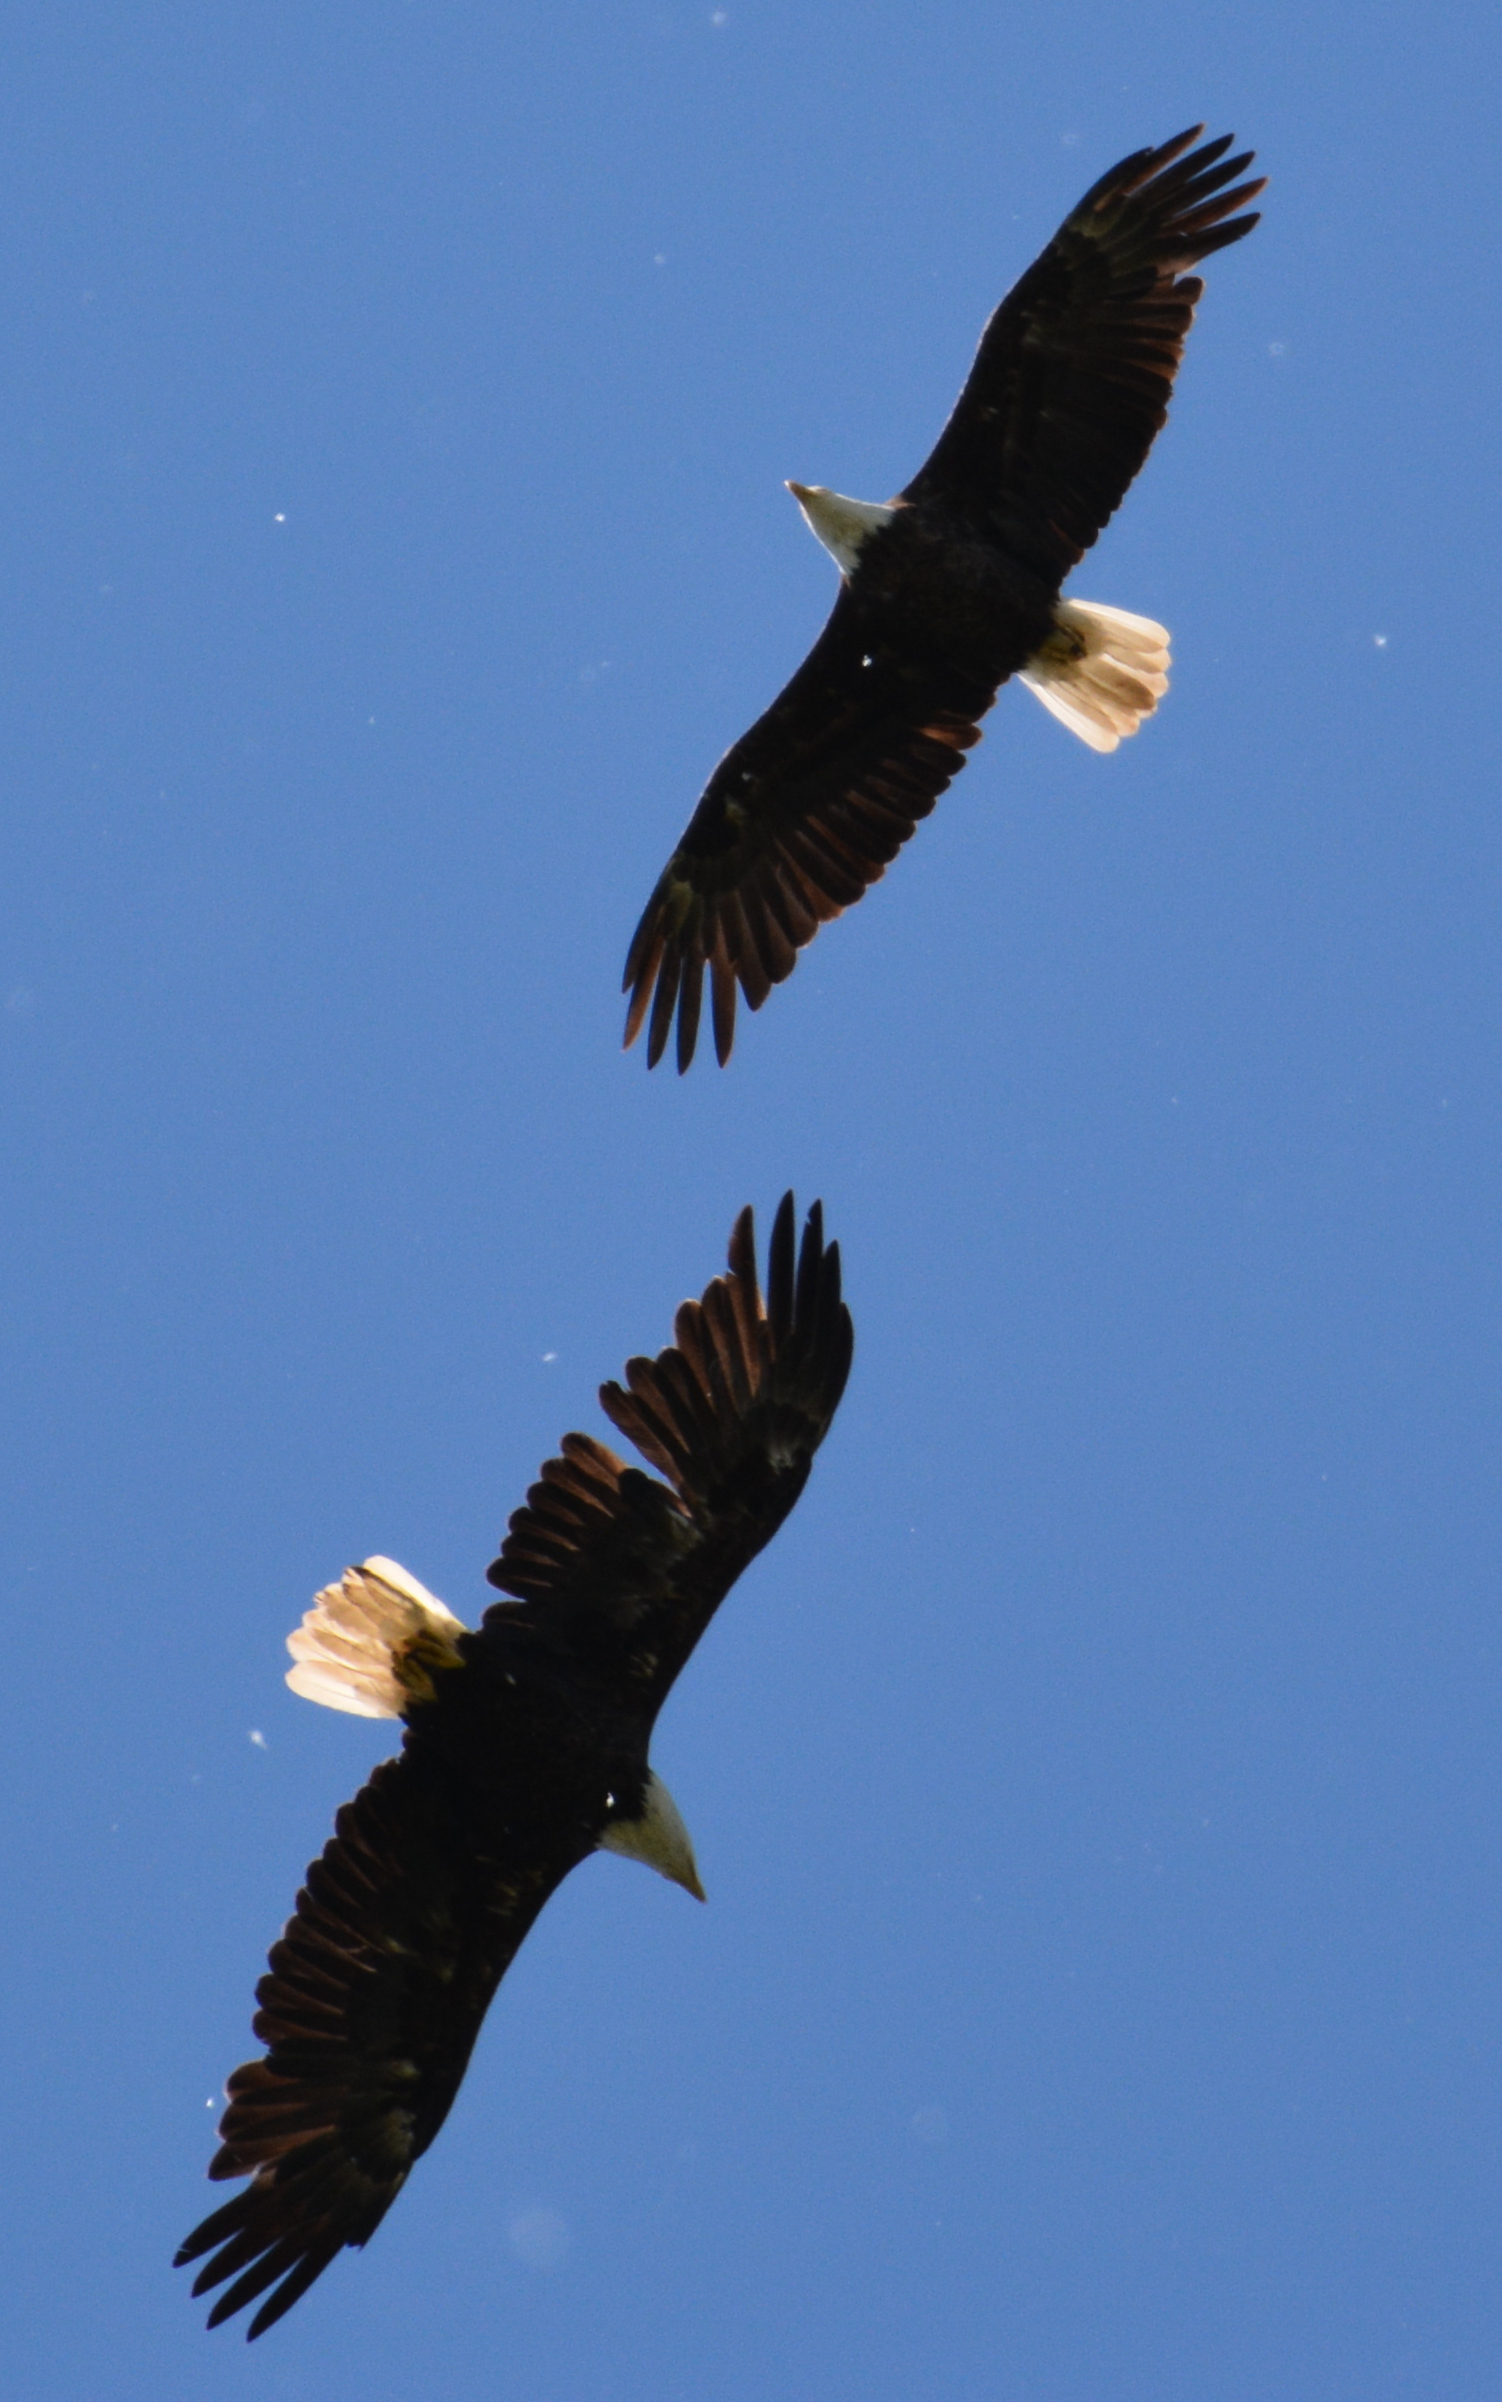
<point>1181,191</point>
<point>295,2114</point>
<point>685,1410</point>
<point>1158,213</point>
<point>734,1351</point>
<point>748,933</point>
<point>576,1502</point>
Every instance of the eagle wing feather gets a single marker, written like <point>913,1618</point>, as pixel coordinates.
<point>373,1997</point>
<point>1072,379</point>
<point>801,816</point>
<point>730,1414</point>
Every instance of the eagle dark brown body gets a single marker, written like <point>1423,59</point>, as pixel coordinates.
<point>934,585</point>
<point>947,591</point>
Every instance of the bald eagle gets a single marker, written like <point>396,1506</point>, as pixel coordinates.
<point>947,591</point>
<point>525,1750</point>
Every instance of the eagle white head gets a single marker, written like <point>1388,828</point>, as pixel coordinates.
<point>842,525</point>
<point>659,1838</point>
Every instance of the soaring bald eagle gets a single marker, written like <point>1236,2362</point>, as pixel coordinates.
<point>945,592</point>
<point>525,1750</point>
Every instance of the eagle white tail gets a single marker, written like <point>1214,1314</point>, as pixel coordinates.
<point>1101,671</point>
<point>368,1644</point>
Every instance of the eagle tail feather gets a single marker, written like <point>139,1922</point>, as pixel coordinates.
<point>368,1644</point>
<point>1100,672</point>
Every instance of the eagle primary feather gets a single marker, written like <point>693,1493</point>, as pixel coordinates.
<point>525,1750</point>
<point>945,593</point>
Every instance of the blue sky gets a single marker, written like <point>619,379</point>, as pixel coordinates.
<point>1096,1784</point>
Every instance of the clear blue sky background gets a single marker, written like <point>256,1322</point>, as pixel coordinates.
<point>1096,1784</point>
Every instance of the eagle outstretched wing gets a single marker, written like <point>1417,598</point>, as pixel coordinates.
<point>370,2006</point>
<point>800,816</point>
<point>731,1413</point>
<point>1074,372</point>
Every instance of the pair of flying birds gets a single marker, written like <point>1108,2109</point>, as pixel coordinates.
<point>526,1743</point>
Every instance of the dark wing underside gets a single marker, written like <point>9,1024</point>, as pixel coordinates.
<point>732,1413</point>
<point>1070,385</point>
<point>799,817</point>
<point>370,2008</point>
<point>1074,372</point>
